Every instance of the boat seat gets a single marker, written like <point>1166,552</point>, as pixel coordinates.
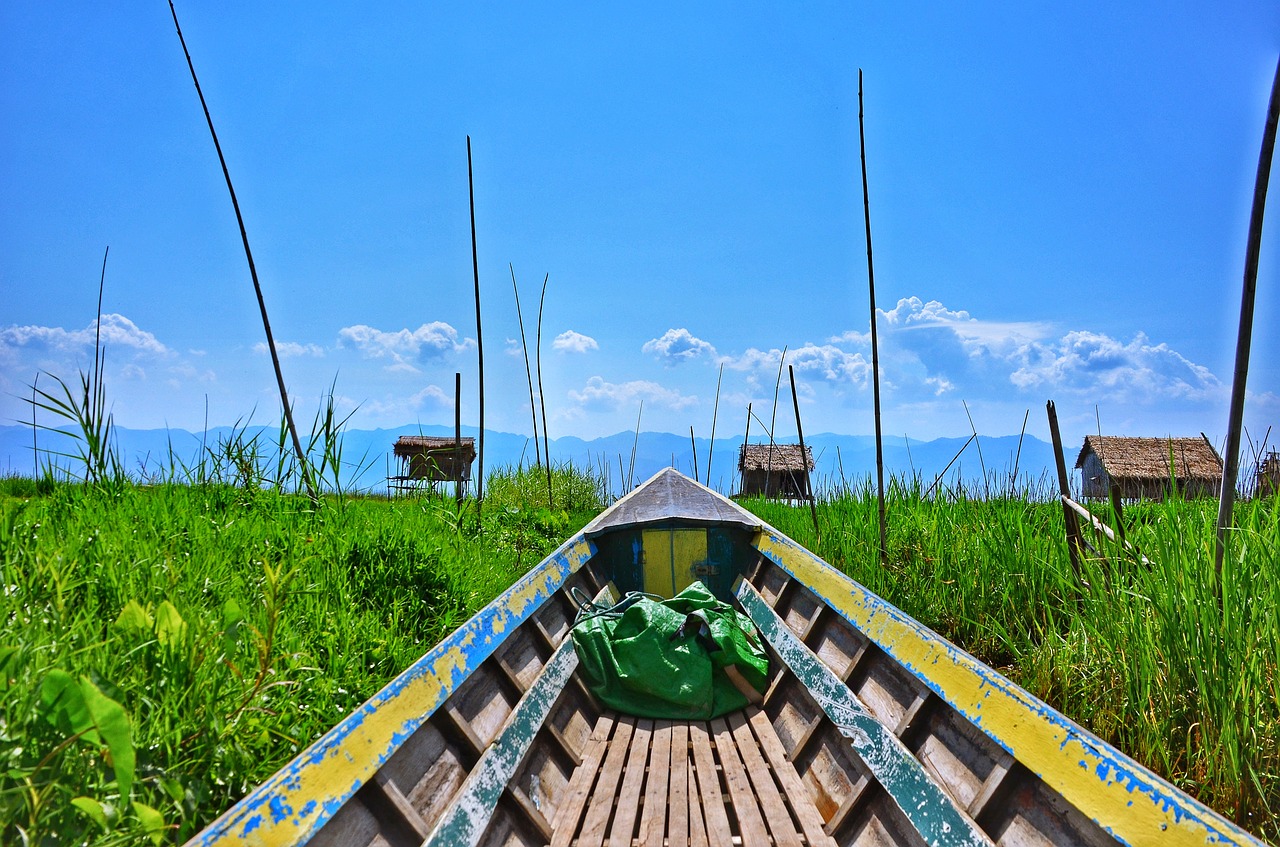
<point>686,784</point>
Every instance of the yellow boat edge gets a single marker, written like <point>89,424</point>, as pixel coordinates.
<point>285,810</point>
<point>1130,802</point>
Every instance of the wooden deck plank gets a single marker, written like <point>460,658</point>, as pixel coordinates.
<point>463,822</point>
<point>624,821</point>
<point>678,792</point>
<point>697,826</point>
<point>926,805</point>
<point>653,818</point>
<point>602,796</point>
<point>713,811</point>
<point>745,806</point>
<point>767,791</point>
<point>798,797</point>
<point>565,821</point>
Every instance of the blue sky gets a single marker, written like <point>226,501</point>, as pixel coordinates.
<point>1059,203</point>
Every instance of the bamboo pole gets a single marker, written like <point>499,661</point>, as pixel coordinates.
<point>694,444</point>
<point>804,457</point>
<point>715,410</point>
<point>1244,336</point>
<point>773,420</point>
<point>742,455</point>
<point>1064,489</point>
<point>875,344</point>
<point>253,271</point>
<point>457,436</point>
<point>475,270</point>
<point>542,397</point>
<point>524,345</point>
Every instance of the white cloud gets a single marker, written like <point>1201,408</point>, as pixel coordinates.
<point>116,330</point>
<point>678,345</point>
<point>404,347</point>
<point>826,362</point>
<point>598,394</point>
<point>290,349</point>
<point>1094,363</point>
<point>574,342</point>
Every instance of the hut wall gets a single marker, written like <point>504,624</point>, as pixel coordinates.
<point>1096,482</point>
<point>782,484</point>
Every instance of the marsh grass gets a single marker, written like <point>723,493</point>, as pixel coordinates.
<point>224,627</point>
<point>1139,653</point>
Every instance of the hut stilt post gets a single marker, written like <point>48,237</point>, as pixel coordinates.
<point>1244,337</point>
<point>804,460</point>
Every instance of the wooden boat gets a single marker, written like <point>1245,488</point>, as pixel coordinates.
<point>874,730</point>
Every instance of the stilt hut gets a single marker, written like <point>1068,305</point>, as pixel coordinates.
<point>777,470</point>
<point>1149,468</point>
<point>1269,475</point>
<point>426,460</point>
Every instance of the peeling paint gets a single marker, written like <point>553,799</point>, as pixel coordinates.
<point>331,770</point>
<point>1046,742</point>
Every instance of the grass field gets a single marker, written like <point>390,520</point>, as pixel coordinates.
<point>168,647</point>
<point>1140,653</point>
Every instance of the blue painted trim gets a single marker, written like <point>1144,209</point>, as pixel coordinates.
<point>477,639</point>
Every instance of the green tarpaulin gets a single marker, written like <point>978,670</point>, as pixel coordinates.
<point>666,658</point>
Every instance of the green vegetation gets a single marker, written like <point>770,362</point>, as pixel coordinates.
<point>1140,653</point>
<point>168,647</point>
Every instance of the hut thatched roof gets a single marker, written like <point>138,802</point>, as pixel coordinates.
<point>1149,458</point>
<point>785,457</point>
<point>413,445</point>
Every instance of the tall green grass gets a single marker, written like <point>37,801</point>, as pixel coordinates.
<point>165,648</point>
<point>1141,654</point>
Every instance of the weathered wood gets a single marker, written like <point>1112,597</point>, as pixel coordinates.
<point>697,826</point>
<point>601,806</point>
<point>925,805</point>
<point>565,821</point>
<point>767,792</point>
<point>678,790</point>
<point>745,808</point>
<point>653,818</point>
<point>798,798</point>
<point>712,800</point>
<point>624,821</point>
<point>466,818</point>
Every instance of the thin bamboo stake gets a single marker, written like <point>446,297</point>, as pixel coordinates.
<point>542,398</point>
<point>475,270</point>
<point>1064,488</point>
<point>35,444</point>
<point>715,410</point>
<point>773,420</point>
<point>631,469</point>
<point>939,477</point>
<point>804,456</point>
<point>457,436</point>
<point>694,445</point>
<point>875,344</point>
<point>524,345</point>
<point>253,271</point>
<point>1244,337</point>
<point>742,454</point>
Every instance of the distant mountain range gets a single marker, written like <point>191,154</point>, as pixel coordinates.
<point>840,459</point>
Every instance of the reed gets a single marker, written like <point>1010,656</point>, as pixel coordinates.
<point>1140,654</point>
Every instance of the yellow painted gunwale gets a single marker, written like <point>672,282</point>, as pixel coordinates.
<point>1129,801</point>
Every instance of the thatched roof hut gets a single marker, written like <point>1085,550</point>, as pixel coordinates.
<point>1144,468</point>
<point>1268,481</point>
<point>777,470</point>
<point>434,459</point>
